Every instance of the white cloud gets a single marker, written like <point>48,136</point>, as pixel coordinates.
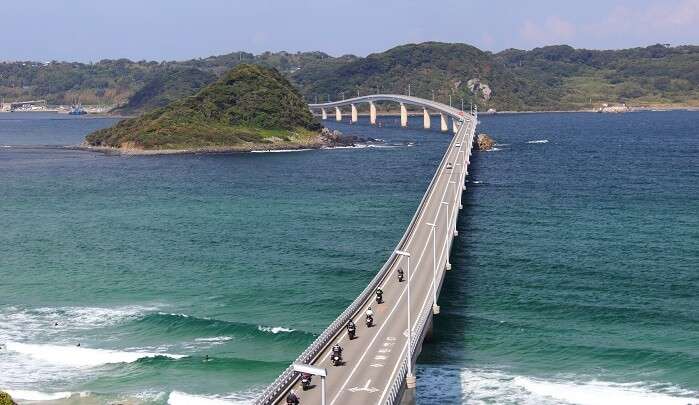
<point>553,30</point>
<point>620,26</point>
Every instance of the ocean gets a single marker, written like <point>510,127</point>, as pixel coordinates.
<point>196,279</point>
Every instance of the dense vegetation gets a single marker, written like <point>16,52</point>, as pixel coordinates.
<point>249,105</point>
<point>165,86</point>
<point>5,399</point>
<point>552,77</point>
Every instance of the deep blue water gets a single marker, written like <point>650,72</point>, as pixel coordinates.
<point>575,273</point>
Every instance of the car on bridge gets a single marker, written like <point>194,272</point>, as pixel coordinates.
<point>449,166</point>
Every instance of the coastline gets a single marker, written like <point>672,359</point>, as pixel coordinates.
<point>109,150</point>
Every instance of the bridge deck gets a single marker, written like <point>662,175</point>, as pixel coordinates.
<point>374,357</point>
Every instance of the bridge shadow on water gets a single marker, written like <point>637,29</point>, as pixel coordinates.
<point>444,356</point>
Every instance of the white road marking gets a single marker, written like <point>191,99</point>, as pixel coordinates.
<point>364,388</point>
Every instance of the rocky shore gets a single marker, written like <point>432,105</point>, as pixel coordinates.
<point>326,139</point>
<point>484,142</point>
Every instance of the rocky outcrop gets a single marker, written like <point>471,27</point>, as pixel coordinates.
<point>484,142</point>
<point>475,86</point>
<point>6,399</point>
<point>336,138</point>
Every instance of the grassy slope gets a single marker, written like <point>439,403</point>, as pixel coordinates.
<point>248,105</point>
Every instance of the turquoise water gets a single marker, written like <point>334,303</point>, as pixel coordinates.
<point>574,279</point>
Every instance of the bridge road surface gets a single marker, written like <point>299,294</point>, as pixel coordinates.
<point>373,358</point>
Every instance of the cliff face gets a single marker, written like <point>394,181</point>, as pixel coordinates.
<point>249,107</point>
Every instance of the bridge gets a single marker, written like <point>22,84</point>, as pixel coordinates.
<point>379,362</point>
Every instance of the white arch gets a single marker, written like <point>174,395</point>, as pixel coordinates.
<point>454,113</point>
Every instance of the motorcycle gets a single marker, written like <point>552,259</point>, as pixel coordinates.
<point>369,321</point>
<point>351,333</point>
<point>337,359</point>
<point>379,298</point>
<point>305,381</point>
<point>292,399</point>
<point>400,277</point>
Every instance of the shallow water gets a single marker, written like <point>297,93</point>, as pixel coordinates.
<point>574,276</point>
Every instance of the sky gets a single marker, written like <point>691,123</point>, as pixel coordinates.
<point>82,30</point>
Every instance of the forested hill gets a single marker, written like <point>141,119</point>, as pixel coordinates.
<point>248,108</point>
<point>549,78</point>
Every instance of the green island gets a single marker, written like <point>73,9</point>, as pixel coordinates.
<point>6,399</point>
<point>251,107</point>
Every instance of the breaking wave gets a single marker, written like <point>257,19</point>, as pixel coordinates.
<point>75,356</point>
<point>479,386</point>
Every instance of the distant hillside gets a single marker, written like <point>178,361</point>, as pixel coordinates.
<point>548,78</point>
<point>114,82</point>
<point>165,86</point>
<point>250,107</point>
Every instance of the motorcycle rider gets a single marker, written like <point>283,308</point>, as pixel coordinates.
<point>370,314</point>
<point>306,380</point>
<point>400,274</point>
<point>292,398</point>
<point>351,328</point>
<point>379,295</point>
<point>337,349</point>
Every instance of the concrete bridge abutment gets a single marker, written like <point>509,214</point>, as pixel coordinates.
<point>323,114</point>
<point>403,115</point>
<point>443,123</point>
<point>372,113</point>
<point>338,114</point>
<point>426,119</point>
<point>354,113</point>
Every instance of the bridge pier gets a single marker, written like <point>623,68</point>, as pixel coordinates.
<point>354,113</point>
<point>426,121</point>
<point>454,125</point>
<point>443,122</point>
<point>403,115</point>
<point>372,113</point>
<point>323,114</point>
<point>338,114</point>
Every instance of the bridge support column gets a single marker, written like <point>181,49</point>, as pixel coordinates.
<point>354,113</point>
<point>410,382</point>
<point>403,116</point>
<point>426,121</point>
<point>372,113</point>
<point>443,122</point>
<point>323,114</point>
<point>454,125</point>
<point>338,114</point>
<point>435,309</point>
<point>447,266</point>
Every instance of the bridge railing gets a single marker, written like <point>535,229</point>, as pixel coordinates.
<point>288,376</point>
<point>397,385</point>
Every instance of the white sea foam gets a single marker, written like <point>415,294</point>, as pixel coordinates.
<point>601,393</point>
<point>539,141</point>
<point>280,150</point>
<point>181,398</point>
<point>28,395</point>
<point>74,356</point>
<point>274,329</point>
<point>478,386</point>
<point>216,339</point>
